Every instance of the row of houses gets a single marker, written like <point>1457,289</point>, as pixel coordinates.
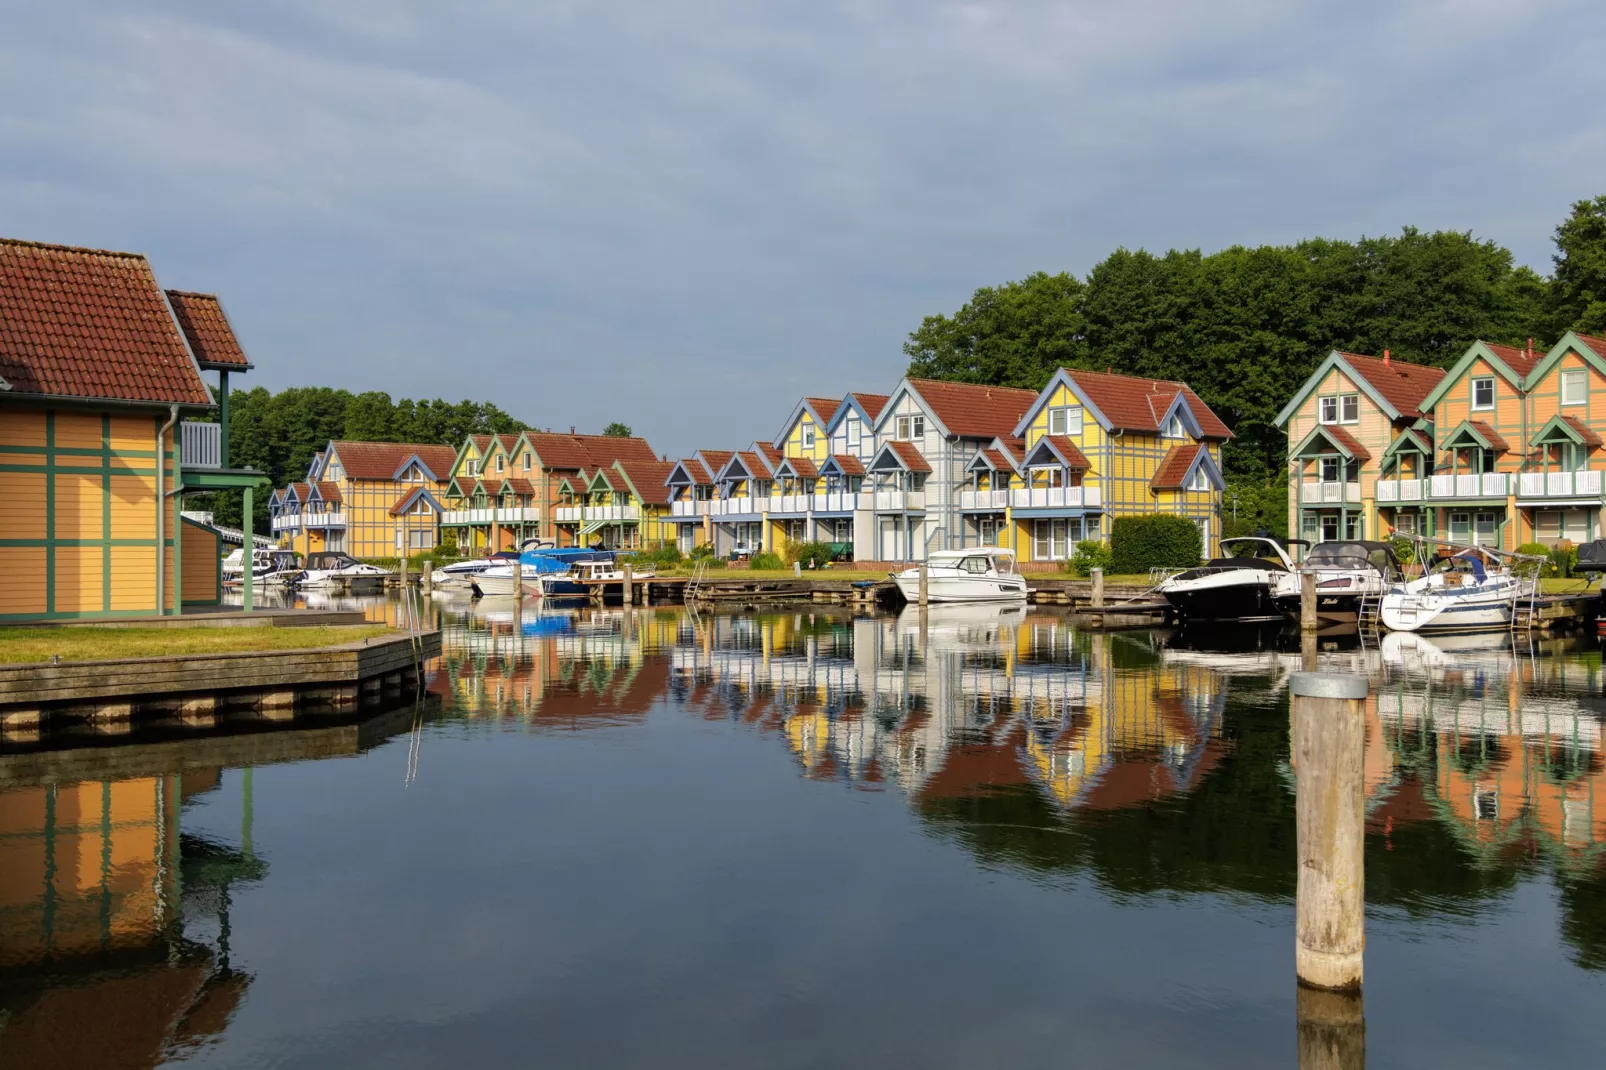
<point>884,477</point>
<point>1504,448</point>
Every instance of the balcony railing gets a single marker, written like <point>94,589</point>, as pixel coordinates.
<point>587,514</point>
<point>297,521</point>
<point>1320,492</point>
<point>1055,497</point>
<point>1559,485</point>
<point>476,517</point>
<point>689,507</point>
<point>200,445</point>
<point>983,499</point>
<point>1450,487</point>
<point>899,501</point>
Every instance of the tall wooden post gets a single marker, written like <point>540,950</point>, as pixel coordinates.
<point>250,545</point>
<point>404,564</point>
<point>629,586</point>
<point>426,578</point>
<point>1097,598</point>
<point>1332,1030</point>
<point>1307,601</point>
<point>925,592</point>
<point>1329,751</point>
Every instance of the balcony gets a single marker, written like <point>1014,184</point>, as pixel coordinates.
<point>596,514</point>
<point>898,501</point>
<point>1451,487</point>
<point>200,445</point>
<point>1557,485</point>
<point>984,499</point>
<point>1488,485</point>
<point>689,507</point>
<point>1323,492</point>
<point>315,521</point>
<point>458,518</point>
<point>1056,498</point>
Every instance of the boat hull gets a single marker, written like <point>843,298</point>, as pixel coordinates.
<point>1440,613</point>
<point>1241,600</point>
<point>1006,588</point>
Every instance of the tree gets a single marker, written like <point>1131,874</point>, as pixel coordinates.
<point>1578,289</point>
<point>618,430</point>
<point>1016,334</point>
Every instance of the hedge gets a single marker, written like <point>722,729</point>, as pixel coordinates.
<point>1139,543</point>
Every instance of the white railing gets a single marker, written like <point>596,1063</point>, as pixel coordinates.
<point>200,445</point>
<point>689,507</point>
<point>983,499</point>
<point>297,521</point>
<point>1317,492</point>
<point>835,501</point>
<point>898,501</point>
<point>1559,484</point>
<point>288,522</point>
<point>586,514</point>
<point>515,515</point>
<point>1399,490</point>
<point>1055,497</point>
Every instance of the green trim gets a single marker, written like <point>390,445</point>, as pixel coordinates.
<point>1321,431</point>
<point>50,508</point>
<point>50,542</point>
<point>198,479</point>
<point>1465,428</point>
<point>93,614</point>
<point>1556,423</point>
<point>85,451</point>
<point>1571,341</point>
<point>1335,360</point>
<point>1459,370</point>
<point>106,515</point>
<point>49,467</point>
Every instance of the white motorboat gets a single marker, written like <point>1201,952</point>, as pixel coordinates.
<point>269,567</point>
<point>582,575</point>
<point>335,569</point>
<point>1347,572</point>
<point>1463,593</point>
<point>461,573</point>
<point>979,574</point>
<point>1246,584</point>
<point>504,578</point>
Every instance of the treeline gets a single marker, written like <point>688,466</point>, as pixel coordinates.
<point>280,433</point>
<point>1244,326</point>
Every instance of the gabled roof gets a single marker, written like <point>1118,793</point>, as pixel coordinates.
<point>844,464</point>
<point>967,410</point>
<point>801,467</point>
<point>329,492</point>
<point>1496,356</point>
<point>206,327</point>
<point>745,464</point>
<point>1052,448</point>
<point>558,452</point>
<point>648,480</point>
<point>493,487</point>
<point>428,469</point>
<point>1411,439</point>
<point>411,498</point>
<point>85,323</point>
<point>1477,432</point>
<point>1341,441</point>
<point>1179,464</point>
<point>822,410</point>
<point>688,472</point>
<point>384,460</point>
<point>523,486</point>
<point>601,476</point>
<point>714,460</point>
<point>1396,387</point>
<point>771,455</point>
<point>994,460</point>
<point>867,406</point>
<point>903,455</point>
<point>1593,350</point>
<point>1127,402</point>
<point>1569,427</point>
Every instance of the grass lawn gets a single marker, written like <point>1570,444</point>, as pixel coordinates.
<point>1557,585</point>
<point>861,574</point>
<point>18,645</point>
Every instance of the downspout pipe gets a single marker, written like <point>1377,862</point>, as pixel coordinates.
<point>161,510</point>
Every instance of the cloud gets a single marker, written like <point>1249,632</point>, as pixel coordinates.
<point>686,215</point>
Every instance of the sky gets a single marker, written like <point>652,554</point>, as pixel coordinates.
<point>687,214</point>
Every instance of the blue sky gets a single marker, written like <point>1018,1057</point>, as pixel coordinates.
<point>686,215</point>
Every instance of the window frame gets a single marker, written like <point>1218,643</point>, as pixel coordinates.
<point>853,431</point>
<point>1579,376</point>
<point>1476,383</point>
<point>807,436</point>
<point>1345,403</point>
<point>1322,403</point>
<point>1199,481</point>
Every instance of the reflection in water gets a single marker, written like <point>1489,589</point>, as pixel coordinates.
<point>1153,767</point>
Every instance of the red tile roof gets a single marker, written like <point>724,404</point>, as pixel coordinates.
<point>804,467</point>
<point>329,492</point>
<point>824,408</point>
<point>1597,344</point>
<point>974,411</point>
<point>1348,441</point>
<point>1584,430</point>
<point>522,486</point>
<point>1135,404</point>
<point>380,460</point>
<point>91,324</point>
<point>401,504</point>
<point>1496,443</point>
<point>1174,468</point>
<point>716,459</point>
<point>601,475</point>
<point>911,457</point>
<point>770,454</point>
<point>850,465</point>
<point>493,487</point>
<point>754,464</point>
<point>1401,383</point>
<point>207,330</point>
<point>872,404</point>
<point>997,459</point>
<point>302,491</point>
<point>1069,450</point>
<point>649,479</point>
<point>696,471</point>
<point>1519,360</point>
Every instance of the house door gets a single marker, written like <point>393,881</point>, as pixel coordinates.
<point>888,549</point>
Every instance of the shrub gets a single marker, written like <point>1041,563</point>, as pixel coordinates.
<point>1547,567</point>
<point>1564,559</point>
<point>1090,554</point>
<point>701,550</point>
<point>766,560</point>
<point>664,555</point>
<point>809,554</point>
<point>1139,543</point>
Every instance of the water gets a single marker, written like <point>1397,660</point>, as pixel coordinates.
<point>800,839</point>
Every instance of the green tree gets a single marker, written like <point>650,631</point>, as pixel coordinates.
<point>1578,289</point>
<point>618,430</point>
<point>1016,334</point>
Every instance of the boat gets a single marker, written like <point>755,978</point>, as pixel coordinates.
<point>269,567</point>
<point>1244,585</point>
<point>337,569</point>
<point>979,574</point>
<point>1347,571</point>
<point>580,575</point>
<point>462,573</point>
<point>1466,592</point>
<point>524,572</point>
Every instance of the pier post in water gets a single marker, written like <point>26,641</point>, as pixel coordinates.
<point>1307,601</point>
<point>629,590</point>
<point>404,566</point>
<point>1332,1030</point>
<point>1329,741</point>
<point>426,578</point>
<point>924,585</point>
<point>1096,599</point>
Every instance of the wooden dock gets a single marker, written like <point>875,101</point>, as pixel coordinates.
<point>113,695</point>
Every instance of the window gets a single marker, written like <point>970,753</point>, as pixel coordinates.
<point>499,464</point>
<point>1405,523</point>
<point>1329,469</point>
<point>1327,409</point>
<point>527,461</point>
<point>1486,805</point>
<point>1460,527</point>
<point>1050,540</point>
<point>1066,420</point>
<point>1200,480</point>
<point>1329,527</point>
<point>1486,529</point>
<point>987,531</point>
<point>808,436</point>
<point>421,539</point>
<point>473,467</point>
<point>843,530</point>
<point>1173,428</point>
<point>333,473</point>
<point>1349,409</point>
<point>911,428</point>
<point>1483,393</point>
<point>1574,387</point>
<point>976,566</point>
<point>1352,526</point>
<point>853,432</point>
<point>1048,477</point>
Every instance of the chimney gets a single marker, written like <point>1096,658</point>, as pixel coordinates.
<point>1530,347</point>
<point>571,429</point>
<point>1109,369</point>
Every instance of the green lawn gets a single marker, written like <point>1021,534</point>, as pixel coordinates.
<point>1557,585</point>
<point>848,573</point>
<point>19,645</point>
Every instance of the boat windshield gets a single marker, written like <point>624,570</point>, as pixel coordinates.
<point>1467,561</point>
<point>1352,555</point>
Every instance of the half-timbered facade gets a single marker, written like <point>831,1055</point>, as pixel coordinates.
<point>368,499</point>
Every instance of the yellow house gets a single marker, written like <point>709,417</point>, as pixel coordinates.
<point>368,499</point>
<point>625,506</point>
<point>1095,446</point>
<point>694,487</point>
<point>100,391</point>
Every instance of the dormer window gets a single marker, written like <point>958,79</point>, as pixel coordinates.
<point>498,464</point>
<point>1065,420</point>
<point>910,428</point>
<point>333,473</point>
<point>1574,387</point>
<point>808,436</point>
<point>1199,480</point>
<point>853,432</point>
<point>1173,428</point>
<point>473,467</point>
<point>1483,393</point>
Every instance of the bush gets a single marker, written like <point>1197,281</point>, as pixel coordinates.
<point>1090,554</point>
<point>664,555</point>
<point>1547,567</point>
<point>766,560</point>
<point>1564,559</point>
<point>1139,543</point>
<point>809,554</point>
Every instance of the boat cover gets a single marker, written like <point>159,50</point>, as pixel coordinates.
<point>1592,556</point>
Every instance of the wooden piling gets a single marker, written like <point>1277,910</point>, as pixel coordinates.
<point>1332,1030</point>
<point>1329,741</point>
<point>925,593</point>
<point>403,572</point>
<point>1307,601</point>
<point>1096,599</point>
<point>427,577</point>
<point>629,592</point>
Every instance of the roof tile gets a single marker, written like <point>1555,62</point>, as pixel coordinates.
<point>207,329</point>
<point>974,411</point>
<point>1174,467</point>
<point>1137,404</point>
<point>380,460</point>
<point>1401,383</point>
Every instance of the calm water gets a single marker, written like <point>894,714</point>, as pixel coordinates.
<point>805,840</point>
